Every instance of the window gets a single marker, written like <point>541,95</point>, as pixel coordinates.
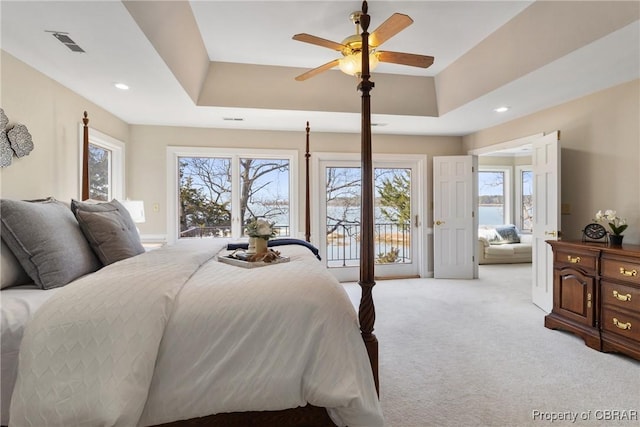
<point>106,166</point>
<point>219,192</point>
<point>100,160</point>
<point>392,215</point>
<point>494,195</point>
<point>524,191</point>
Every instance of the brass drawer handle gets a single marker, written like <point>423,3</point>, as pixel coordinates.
<point>617,295</point>
<point>620,325</point>
<point>628,273</point>
<point>572,260</point>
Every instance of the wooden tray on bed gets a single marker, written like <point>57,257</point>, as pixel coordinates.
<point>228,259</point>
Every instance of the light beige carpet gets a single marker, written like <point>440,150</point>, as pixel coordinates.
<point>476,353</point>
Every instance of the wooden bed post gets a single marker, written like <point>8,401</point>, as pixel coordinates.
<point>85,158</point>
<point>367,313</point>
<point>307,212</point>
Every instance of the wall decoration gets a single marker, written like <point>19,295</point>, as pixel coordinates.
<point>6,153</point>
<point>4,120</point>
<point>20,140</point>
<point>15,140</point>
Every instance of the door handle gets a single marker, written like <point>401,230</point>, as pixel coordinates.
<point>550,233</point>
<point>439,222</point>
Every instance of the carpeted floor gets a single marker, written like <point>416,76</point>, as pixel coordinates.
<point>476,353</point>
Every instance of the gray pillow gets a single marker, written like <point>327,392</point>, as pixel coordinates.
<point>47,241</point>
<point>508,233</point>
<point>109,229</point>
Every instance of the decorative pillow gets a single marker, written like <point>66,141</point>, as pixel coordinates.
<point>490,235</point>
<point>11,272</point>
<point>508,233</point>
<point>47,241</point>
<point>109,229</point>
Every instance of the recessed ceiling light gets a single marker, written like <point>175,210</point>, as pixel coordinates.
<point>121,86</point>
<point>501,109</point>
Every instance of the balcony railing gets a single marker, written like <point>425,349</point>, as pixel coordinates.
<point>392,244</point>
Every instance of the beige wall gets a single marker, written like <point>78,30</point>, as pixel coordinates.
<point>147,154</point>
<point>52,114</point>
<point>600,141</point>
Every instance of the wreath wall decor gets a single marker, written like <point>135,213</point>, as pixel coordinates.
<point>15,140</point>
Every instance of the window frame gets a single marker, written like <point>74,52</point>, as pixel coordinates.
<point>117,164</point>
<point>175,152</point>
<point>507,188</point>
<point>519,196</point>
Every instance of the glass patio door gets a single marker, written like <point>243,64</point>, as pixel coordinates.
<point>395,210</point>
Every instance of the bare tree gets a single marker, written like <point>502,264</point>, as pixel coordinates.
<point>206,189</point>
<point>254,200</point>
<point>343,193</point>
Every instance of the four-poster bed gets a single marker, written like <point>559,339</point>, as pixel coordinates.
<point>365,410</point>
<point>339,389</point>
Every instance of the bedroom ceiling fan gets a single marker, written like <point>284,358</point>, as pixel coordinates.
<point>351,48</point>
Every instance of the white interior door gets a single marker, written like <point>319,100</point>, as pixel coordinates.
<point>454,221</point>
<point>546,217</point>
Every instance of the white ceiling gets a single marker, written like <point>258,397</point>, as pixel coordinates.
<point>259,32</point>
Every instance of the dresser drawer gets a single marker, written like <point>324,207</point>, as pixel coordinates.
<point>571,257</point>
<point>623,296</point>
<point>621,323</point>
<point>620,268</point>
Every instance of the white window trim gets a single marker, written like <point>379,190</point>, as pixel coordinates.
<point>117,160</point>
<point>518,182</point>
<point>508,188</point>
<point>174,153</point>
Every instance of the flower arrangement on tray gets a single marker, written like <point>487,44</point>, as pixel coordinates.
<point>259,231</point>
<point>260,228</point>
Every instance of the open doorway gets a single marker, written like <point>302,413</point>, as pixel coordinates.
<point>505,206</point>
<point>545,164</point>
<point>505,202</point>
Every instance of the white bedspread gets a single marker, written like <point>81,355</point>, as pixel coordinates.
<point>18,306</point>
<point>175,334</point>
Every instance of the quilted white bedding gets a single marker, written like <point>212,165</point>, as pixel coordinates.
<point>174,334</point>
<point>18,306</point>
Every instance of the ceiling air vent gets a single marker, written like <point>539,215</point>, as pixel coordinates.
<point>66,40</point>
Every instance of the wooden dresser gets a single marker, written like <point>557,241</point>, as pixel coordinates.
<point>596,294</point>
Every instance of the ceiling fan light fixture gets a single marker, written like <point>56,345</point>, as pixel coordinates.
<point>352,64</point>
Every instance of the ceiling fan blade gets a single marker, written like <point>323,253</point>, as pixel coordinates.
<point>389,28</point>
<point>317,70</point>
<point>308,38</point>
<point>402,58</point>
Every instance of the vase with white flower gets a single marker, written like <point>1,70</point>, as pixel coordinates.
<point>616,224</point>
<point>259,231</point>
